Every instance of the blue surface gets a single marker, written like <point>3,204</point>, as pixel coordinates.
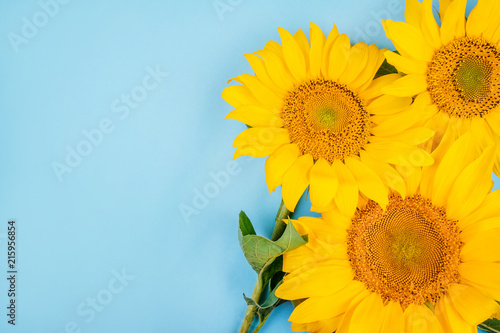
<point>119,239</point>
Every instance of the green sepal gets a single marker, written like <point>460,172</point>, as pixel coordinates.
<point>491,325</point>
<point>384,69</point>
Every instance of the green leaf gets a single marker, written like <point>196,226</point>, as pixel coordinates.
<point>290,240</point>
<point>259,250</point>
<point>491,325</point>
<point>271,269</point>
<point>385,69</point>
<point>246,226</point>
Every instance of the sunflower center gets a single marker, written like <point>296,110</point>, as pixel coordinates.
<point>463,77</point>
<point>326,119</point>
<point>409,254</point>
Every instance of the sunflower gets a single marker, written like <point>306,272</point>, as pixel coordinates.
<point>452,69</point>
<point>319,115</point>
<point>429,262</point>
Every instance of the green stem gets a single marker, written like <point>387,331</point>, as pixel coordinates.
<point>279,225</point>
<point>250,312</point>
<point>279,228</point>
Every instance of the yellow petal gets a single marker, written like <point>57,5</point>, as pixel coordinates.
<point>443,6</point>
<point>332,36</point>
<point>471,186</point>
<point>483,245</point>
<point>276,70</point>
<point>375,88</point>
<point>356,64</point>
<point>266,136</point>
<point>278,163</point>
<point>255,150</point>
<point>255,116</point>
<point>238,95</point>
<point>369,183</point>
<point>453,22</point>
<point>408,40</point>
<point>375,59</point>
<point>413,12</point>
<point>368,315</point>
<point>296,180</point>
<point>325,279</point>
<point>409,85</point>
<point>493,119</point>
<point>482,226</point>
<point>294,57</point>
<point>345,323</point>
<point>483,275</point>
<point>430,29</point>
<point>388,105</point>
<point>399,153</point>
<point>489,208</point>
<point>393,318</point>
<point>387,173</point>
<point>317,44</point>
<point>412,177</point>
<point>260,71</point>
<point>405,64</point>
<point>450,319</point>
<point>472,305</point>
<point>301,39</point>
<point>346,196</point>
<point>319,308</point>
<point>481,17</point>
<point>339,56</point>
<point>420,319</point>
<point>455,160</point>
<point>387,125</point>
<point>324,183</point>
<point>262,93</point>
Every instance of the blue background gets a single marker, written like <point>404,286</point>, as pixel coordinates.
<point>120,209</point>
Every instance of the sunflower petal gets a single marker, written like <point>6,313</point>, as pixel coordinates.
<point>405,64</point>
<point>393,318</point>
<point>356,64</point>
<point>471,186</point>
<point>369,182</point>
<point>450,319</point>
<point>346,196</point>
<point>255,116</point>
<point>278,163</point>
<point>368,315</point>
<point>420,319</point>
<point>413,12</point>
<point>295,181</point>
<point>339,56</point>
<point>332,36</point>
<point>262,93</point>
<point>317,44</point>
<point>387,173</point>
<point>293,55</point>
<point>430,29</point>
<point>408,85</point>
<point>238,95</point>
<point>453,22</point>
<point>482,246</point>
<point>483,275</point>
<point>324,183</point>
<point>276,70</point>
<point>408,40</point>
<point>375,88</point>
<point>472,305</point>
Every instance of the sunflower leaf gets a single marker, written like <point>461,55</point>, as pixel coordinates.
<point>246,226</point>
<point>385,69</point>
<point>491,325</point>
<point>259,250</point>
<point>290,240</point>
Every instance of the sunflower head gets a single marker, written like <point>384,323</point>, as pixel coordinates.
<point>429,262</point>
<point>316,111</point>
<point>452,68</point>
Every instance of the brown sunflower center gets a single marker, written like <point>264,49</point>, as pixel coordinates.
<point>409,254</point>
<point>326,119</point>
<point>463,77</point>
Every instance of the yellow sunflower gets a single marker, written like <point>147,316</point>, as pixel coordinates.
<point>452,69</point>
<point>320,117</point>
<point>430,262</point>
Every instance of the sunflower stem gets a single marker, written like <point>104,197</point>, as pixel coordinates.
<point>279,225</point>
<point>279,228</point>
<point>250,312</point>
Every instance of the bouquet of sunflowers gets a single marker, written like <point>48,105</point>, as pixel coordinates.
<point>396,150</point>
